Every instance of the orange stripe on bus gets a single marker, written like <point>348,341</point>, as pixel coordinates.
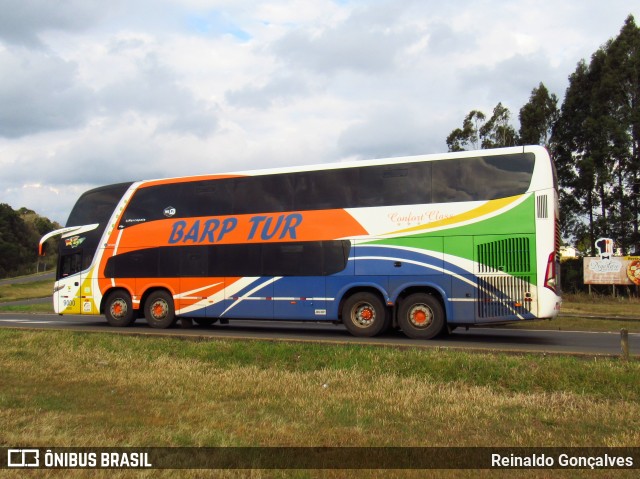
<point>186,179</point>
<point>259,228</point>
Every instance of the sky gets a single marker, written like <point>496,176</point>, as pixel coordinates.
<point>95,92</point>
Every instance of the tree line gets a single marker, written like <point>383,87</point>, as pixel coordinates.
<point>20,233</point>
<point>593,136</point>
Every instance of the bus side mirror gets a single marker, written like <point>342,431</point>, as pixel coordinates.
<point>42,249</point>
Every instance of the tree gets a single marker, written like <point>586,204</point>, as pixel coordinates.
<point>621,82</point>
<point>595,143</point>
<point>20,232</point>
<point>469,135</point>
<point>497,131</point>
<point>14,233</point>
<point>573,173</point>
<point>538,116</point>
<point>594,138</point>
<point>477,133</point>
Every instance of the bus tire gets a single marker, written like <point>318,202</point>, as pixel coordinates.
<point>364,314</point>
<point>118,308</point>
<point>421,316</point>
<point>159,310</point>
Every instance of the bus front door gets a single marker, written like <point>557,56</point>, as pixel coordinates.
<point>70,283</point>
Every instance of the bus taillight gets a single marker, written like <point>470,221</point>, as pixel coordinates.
<point>550,280</point>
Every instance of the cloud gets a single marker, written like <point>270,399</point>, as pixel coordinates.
<point>510,81</point>
<point>387,131</point>
<point>445,41</point>
<point>95,155</point>
<point>45,93</point>
<point>23,21</point>
<point>41,93</point>
<point>154,89</point>
<point>368,41</point>
<point>277,89</point>
<point>216,22</point>
<point>93,92</point>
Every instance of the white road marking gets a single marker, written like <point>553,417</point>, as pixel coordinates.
<point>33,321</point>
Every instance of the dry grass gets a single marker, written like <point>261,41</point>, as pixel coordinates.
<point>71,392</point>
<point>18,291</point>
<point>324,474</point>
<point>578,324</point>
<point>599,305</point>
<point>73,389</point>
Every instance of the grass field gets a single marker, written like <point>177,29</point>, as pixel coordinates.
<point>18,291</point>
<point>566,323</point>
<point>78,389</point>
<point>601,305</point>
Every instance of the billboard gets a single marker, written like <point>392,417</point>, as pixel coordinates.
<point>623,270</point>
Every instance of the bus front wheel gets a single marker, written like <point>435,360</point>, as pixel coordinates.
<point>364,314</point>
<point>421,316</point>
<point>118,309</point>
<point>159,310</point>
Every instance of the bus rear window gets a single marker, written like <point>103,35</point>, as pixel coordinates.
<point>483,178</point>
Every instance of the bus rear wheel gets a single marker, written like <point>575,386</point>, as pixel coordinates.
<point>118,309</point>
<point>421,316</point>
<point>364,314</point>
<point>159,310</point>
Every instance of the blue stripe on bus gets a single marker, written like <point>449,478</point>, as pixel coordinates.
<point>288,298</point>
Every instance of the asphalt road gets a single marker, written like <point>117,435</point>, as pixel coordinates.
<point>495,339</point>
<point>28,279</point>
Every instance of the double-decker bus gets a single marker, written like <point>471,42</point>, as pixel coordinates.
<point>423,244</point>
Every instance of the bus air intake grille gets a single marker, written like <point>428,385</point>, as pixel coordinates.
<point>558,241</point>
<point>542,207</point>
<point>509,255</point>
<point>504,296</point>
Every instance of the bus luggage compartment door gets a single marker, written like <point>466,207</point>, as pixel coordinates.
<point>300,297</point>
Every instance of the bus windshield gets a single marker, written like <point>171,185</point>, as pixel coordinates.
<point>97,205</point>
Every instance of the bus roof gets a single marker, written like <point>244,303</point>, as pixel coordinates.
<point>353,164</point>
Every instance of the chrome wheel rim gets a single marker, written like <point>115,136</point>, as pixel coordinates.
<point>420,316</point>
<point>118,308</point>
<point>363,315</point>
<point>159,309</point>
